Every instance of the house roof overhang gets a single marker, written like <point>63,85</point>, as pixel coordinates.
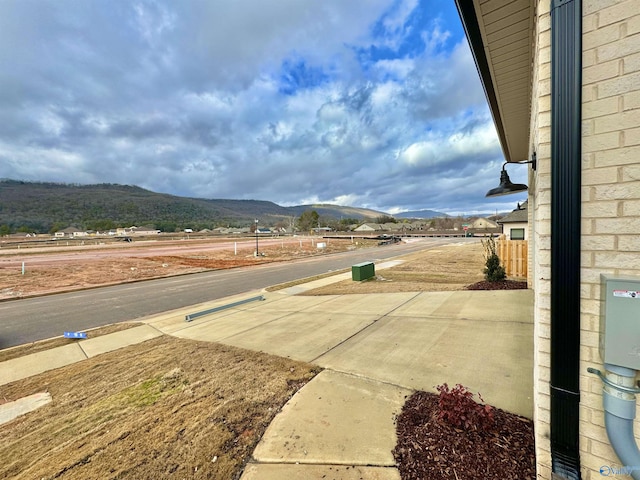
<point>500,34</point>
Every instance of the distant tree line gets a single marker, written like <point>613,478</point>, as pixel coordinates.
<point>310,220</point>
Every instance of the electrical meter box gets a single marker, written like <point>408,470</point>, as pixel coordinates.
<point>620,321</point>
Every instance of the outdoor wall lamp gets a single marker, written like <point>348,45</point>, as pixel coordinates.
<point>506,187</point>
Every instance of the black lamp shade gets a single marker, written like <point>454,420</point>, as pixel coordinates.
<point>506,187</point>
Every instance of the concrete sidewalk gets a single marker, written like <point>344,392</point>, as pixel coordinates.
<point>376,350</point>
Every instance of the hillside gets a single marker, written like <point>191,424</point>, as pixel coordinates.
<point>336,211</point>
<point>46,207</point>
<point>421,214</point>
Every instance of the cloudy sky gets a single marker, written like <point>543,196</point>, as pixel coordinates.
<point>368,103</point>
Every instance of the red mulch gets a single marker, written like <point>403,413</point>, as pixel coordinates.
<point>430,448</point>
<point>500,285</point>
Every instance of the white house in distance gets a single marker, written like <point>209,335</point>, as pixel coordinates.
<point>562,79</point>
<point>133,230</point>
<point>70,232</point>
<point>515,224</point>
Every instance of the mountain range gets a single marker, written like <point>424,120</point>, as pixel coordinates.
<point>44,207</point>
<point>420,214</point>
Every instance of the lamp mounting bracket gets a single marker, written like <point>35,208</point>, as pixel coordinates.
<point>522,162</point>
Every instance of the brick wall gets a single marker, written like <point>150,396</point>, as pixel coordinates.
<point>540,214</point>
<point>610,203</point>
<point>610,192</point>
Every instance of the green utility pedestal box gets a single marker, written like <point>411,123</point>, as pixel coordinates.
<point>362,271</point>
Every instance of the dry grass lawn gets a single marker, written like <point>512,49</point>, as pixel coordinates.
<point>166,408</point>
<point>450,267</point>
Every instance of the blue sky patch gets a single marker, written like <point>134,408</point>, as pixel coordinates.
<point>297,74</point>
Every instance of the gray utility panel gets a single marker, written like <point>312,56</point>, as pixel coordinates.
<point>620,321</point>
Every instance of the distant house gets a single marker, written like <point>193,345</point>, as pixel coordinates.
<point>133,230</point>
<point>232,230</point>
<point>224,230</point>
<point>144,231</point>
<point>514,225</point>
<point>369,227</point>
<point>483,223</point>
<point>70,232</point>
<point>22,235</point>
<point>125,230</point>
<point>416,225</point>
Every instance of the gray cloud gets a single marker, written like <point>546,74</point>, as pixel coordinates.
<point>246,99</point>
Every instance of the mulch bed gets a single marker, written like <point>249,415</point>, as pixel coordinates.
<point>430,448</point>
<point>500,285</point>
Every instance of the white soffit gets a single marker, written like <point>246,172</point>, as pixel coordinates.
<point>506,27</point>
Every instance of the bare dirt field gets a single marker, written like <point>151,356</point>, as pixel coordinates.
<point>172,408</point>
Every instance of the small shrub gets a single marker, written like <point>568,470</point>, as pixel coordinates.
<point>494,271</point>
<point>458,408</point>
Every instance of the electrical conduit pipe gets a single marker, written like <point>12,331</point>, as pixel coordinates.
<point>619,402</point>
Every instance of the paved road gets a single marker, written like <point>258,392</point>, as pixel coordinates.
<point>28,320</point>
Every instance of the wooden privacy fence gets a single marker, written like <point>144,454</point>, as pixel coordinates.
<point>513,256</point>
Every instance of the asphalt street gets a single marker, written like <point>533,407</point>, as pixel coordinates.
<point>31,319</point>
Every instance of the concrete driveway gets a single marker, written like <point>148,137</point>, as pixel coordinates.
<point>481,339</point>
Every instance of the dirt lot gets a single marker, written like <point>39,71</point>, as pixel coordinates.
<point>172,408</point>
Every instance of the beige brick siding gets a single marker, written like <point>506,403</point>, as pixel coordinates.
<point>611,193</point>
<point>540,214</point>
<point>610,204</point>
